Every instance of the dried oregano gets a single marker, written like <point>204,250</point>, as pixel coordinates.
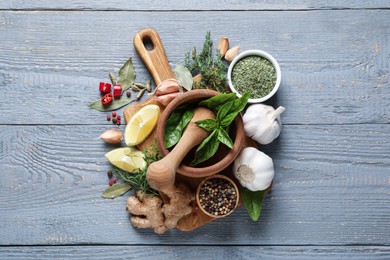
<point>254,74</point>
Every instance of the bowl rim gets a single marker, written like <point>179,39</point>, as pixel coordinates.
<point>217,176</point>
<point>265,55</point>
<point>199,172</point>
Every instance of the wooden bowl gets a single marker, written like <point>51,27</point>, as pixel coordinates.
<point>224,156</point>
<point>217,176</point>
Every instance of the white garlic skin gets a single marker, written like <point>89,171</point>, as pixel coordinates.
<point>262,123</point>
<point>259,169</point>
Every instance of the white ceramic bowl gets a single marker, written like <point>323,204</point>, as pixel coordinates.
<point>261,54</point>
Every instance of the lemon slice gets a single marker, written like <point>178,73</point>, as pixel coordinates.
<point>141,124</point>
<point>128,159</point>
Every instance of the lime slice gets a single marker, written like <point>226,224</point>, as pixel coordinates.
<point>128,159</point>
<point>141,124</point>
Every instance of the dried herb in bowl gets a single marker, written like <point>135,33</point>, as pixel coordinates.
<point>254,74</point>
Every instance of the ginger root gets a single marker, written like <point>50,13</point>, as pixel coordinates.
<point>179,205</point>
<point>148,210</point>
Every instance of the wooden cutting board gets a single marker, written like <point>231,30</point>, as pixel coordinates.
<point>157,63</point>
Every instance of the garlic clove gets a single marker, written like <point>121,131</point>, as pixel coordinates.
<point>166,99</point>
<point>232,53</point>
<point>167,86</point>
<point>223,46</point>
<point>112,136</point>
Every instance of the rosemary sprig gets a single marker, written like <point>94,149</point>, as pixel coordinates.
<point>137,180</point>
<point>213,70</point>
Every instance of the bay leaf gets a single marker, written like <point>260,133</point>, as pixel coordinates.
<point>115,191</point>
<point>253,201</point>
<point>126,75</point>
<point>184,76</point>
<point>115,104</point>
<point>112,78</point>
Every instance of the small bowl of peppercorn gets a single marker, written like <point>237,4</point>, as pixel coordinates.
<point>256,72</point>
<point>217,196</point>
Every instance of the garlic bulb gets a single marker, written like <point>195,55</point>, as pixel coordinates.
<point>254,169</point>
<point>262,123</point>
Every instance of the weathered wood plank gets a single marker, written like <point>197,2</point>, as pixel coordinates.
<point>196,252</point>
<point>334,63</point>
<point>331,188</point>
<point>190,5</point>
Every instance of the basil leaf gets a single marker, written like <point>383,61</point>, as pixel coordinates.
<point>208,124</point>
<point>240,103</point>
<point>176,124</point>
<point>215,103</point>
<point>126,75</point>
<point>184,76</point>
<point>116,190</point>
<point>224,110</point>
<point>253,201</point>
<point>224,138</point>
<point>206,149</point>
<point>237,106</point>
<point>114,105</point>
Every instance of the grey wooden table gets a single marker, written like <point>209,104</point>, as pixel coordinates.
<point>331,194</point>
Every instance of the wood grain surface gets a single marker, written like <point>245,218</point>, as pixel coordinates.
<point>330,74</point>
<point>331,195</point>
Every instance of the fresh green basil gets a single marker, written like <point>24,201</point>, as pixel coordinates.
<point>176,123</point>
<point>214,103</point>
<point>236,107</point>
<point>253,201</point>
<point>208,124</point>
<point>206,149</point>
<point>228,108</point>
<point>224,138</point>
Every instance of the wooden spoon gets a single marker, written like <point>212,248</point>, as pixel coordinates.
<point>161,174</point>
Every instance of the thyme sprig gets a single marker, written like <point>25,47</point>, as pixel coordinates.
<point>212,70</point>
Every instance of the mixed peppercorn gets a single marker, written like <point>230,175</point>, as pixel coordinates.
<point>218,196</point>
<point>111,179</point>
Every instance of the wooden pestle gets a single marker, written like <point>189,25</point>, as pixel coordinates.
<point>161,174</point>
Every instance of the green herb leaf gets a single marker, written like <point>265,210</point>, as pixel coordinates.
<point>224,110</point>
<point>212,69</point>
<point>206,149</point>
<point>176,124</point>
<point>208,124</point>
<point>112,78</point>
<point>183,75</point>
<point>115,191</point>
<point>224,138</point>
<point>126,75</point>
<point>114,105</point>
<point>215,103</point>
<point>237,106</point>
<point>253,201</point>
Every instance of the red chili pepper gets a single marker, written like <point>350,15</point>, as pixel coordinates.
<point>107,99</point>
<point>117,91</point>
<point>105,87</point>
